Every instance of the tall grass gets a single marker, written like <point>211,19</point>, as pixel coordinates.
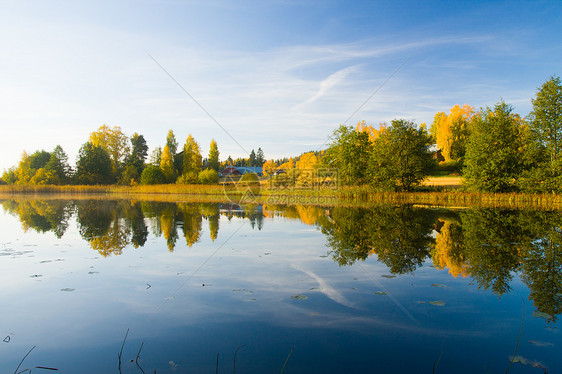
<point>345,196</point>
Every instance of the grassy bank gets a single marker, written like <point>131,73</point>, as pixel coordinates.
<point>344,196</point>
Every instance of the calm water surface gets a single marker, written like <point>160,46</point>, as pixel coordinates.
<point>327,290</point>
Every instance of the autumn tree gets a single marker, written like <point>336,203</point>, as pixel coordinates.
<point>307,166</point>
<point>171,142</point>
<point>41,167</point>
<point>167,165</point>
<point>213,161</point>
<point>115,142</point>
<point>493,153</point>
<point>370,130</point>
<point>29,164</point>
<point>401,159</point>
<point>269,167</point>
<point>451,132</point>
<point>192,161</point>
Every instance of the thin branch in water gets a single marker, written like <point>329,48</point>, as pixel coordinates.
<point>121,352</point>
<point>235,353</point>
<point>519,338</point>
<point>217,371</point>
<point>138,356</point>
<point>23,359</point>
<point>287,360</point>
<point>436,364</point>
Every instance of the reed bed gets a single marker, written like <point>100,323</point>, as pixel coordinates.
<point>360,196</point>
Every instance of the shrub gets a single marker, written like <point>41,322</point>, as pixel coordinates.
<point>188,178</point>
<point>208,176</point>
<point>249,177</point>
<point>152,175</point>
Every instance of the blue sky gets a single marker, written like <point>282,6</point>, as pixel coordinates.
<point>280,75</point>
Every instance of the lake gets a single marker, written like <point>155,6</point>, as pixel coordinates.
<point>125,286</point>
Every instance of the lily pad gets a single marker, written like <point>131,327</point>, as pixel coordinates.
<point>438,285</point>
<point>299,297</point>
<point>538,343</point>
<point>518,359</point>
<point>524,361</point>
<point>388,276</point>
<point>67,289</point>
<point>542,315</point>
<point>381,293</point>
<point>437,303</point>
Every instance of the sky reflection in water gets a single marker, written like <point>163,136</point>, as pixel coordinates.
<point>388,289</point>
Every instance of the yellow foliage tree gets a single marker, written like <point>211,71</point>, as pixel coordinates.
<point>307,165</point>
<point>167,164</point>
<point>192,159</point>
<point>269,167</point>
<point>445,253</point>
<point>370,130</point>
<point>451,131</point>
<point>113,141</point>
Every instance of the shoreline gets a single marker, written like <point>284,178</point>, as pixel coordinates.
<point>363,196</point>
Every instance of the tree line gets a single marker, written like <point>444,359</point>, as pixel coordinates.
<point>111,157</point>
<point>493,148</point>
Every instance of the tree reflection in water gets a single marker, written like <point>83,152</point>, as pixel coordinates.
<point>488,245</point>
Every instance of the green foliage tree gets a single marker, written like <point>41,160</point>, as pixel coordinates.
<point>58,165</point>
<point>213,161</point>
<point>398,236</point>
<point>349,153</point>
<point>546,117</point>
<point>135,161</point>
<point>94,165</point>
<point>543,143</point>
<point>152,175</point>
<point>252,158</point>
<point>401,158</point>
<point>493,154</point>
<point>260,157</point>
